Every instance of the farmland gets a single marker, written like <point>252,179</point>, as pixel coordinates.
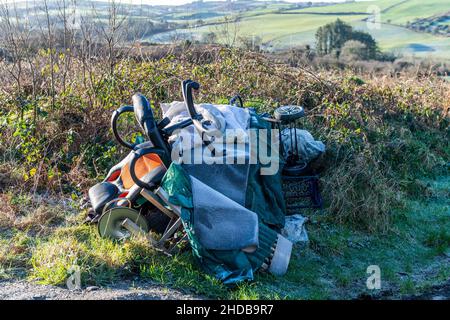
<point>280,26</point>
<point>413,9</point>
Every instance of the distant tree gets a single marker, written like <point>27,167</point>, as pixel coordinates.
<point>368,41</point>
<point>331,38</point>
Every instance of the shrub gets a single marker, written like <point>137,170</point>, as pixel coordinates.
<point>353,50</point>
<point>382,133</point>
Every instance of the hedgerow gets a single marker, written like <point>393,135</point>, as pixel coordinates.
<point>382,134</point>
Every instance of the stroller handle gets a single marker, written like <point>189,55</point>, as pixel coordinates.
<point>237,101</point>
<point>187,87</point>
<point>114,118</point>
<point>200,125</point>
<point>144,116</point>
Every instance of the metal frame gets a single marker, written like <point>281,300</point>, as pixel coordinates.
<point>169,240</point>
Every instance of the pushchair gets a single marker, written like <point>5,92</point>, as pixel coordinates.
<point>230,214</point>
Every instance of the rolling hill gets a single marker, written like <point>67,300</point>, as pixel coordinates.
<point>282,25</point>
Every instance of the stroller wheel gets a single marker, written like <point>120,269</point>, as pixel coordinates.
<point>110,223</point>
<point>289,113</point>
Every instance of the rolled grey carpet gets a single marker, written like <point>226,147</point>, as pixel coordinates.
<point>221,223</point>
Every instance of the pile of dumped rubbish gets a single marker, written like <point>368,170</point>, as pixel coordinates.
<point>211,176</point>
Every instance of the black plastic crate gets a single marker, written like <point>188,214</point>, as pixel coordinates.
<point>301,192</point>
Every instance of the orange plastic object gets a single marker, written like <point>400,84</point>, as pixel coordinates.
<point>144,165</point>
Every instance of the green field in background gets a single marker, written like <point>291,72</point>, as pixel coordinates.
<point>284,29</point>
<point>361,6</point>
<point>413,9</point>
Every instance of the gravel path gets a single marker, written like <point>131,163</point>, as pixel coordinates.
<point>24,290</point>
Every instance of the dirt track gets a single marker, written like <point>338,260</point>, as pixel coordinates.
<point>23,290</point>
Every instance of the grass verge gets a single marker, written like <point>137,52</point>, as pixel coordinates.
<point>413,256</point>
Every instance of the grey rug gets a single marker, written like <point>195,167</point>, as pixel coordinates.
<point>221,223</point>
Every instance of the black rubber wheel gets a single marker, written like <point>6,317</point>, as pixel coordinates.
<point>289,113</point>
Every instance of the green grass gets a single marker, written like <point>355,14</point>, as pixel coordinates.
<point>272,26</point>
<point>413,9</point>
<point>360,6</point>
<point>332,266</point>
<point>404,41</point>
